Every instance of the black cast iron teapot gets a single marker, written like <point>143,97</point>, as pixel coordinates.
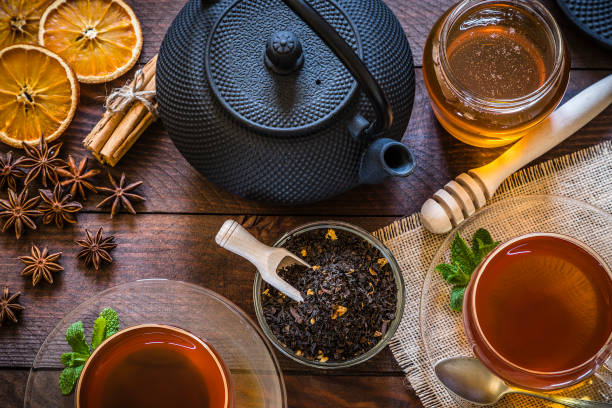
<point>288,101</point>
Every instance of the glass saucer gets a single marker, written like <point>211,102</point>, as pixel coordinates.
<point>257,377</point>
<point>442,329</point>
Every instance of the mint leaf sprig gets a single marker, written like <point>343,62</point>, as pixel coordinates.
<point>463,262</point>
<point>105,326</point>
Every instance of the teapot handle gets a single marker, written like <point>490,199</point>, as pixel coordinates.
<point>351,61</point>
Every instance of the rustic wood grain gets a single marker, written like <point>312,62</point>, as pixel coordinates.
<point>178,247</point>
<point>12,387</point>
<point>174,238</point>
<point>171,185</point>
<point>417,18</point>
<point>332,391</point>
<point>306,391</point>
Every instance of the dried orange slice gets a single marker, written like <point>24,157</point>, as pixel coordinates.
<point>100,39</point>
<point>39,94</point>
<point>19,21</point>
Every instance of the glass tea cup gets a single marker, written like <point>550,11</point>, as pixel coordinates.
<point>538,311</point>
<point>172,347</point>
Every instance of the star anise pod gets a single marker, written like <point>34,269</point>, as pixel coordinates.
<point>41,265</point>
<point>9,306</point>
<point>9,173</point>
<point>19,211</point>
<point>96,248</point>
<point>120,195</point>
<point>57,207</point>
<point>76,177</point>
<point>42,160</point>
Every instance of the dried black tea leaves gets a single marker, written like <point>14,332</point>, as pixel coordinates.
<point>350,297</point>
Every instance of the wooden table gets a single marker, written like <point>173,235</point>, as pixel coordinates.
<point>173,234</point>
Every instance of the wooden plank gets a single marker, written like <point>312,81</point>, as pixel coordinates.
<point>303,391</point>
<point>349,392</point>
<point>178,247</point>
<point>12,387</point>
<point>171,185</point>
<point>417,18</point>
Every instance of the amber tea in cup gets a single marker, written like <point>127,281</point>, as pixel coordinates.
<point>154,366</point>
<point>538,311</point>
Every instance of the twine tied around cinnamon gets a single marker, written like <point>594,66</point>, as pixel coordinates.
<point>129,112</point>
<point>121,98</point>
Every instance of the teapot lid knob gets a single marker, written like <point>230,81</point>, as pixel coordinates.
<point>284,53</point>
<point>276,82</point>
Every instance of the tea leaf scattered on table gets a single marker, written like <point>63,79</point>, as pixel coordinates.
<point>464,261</point>
<point>105,326</point>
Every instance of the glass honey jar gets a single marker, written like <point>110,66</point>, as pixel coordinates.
<point>494,69</point>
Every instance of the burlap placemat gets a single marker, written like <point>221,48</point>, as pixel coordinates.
<point>585,175</point>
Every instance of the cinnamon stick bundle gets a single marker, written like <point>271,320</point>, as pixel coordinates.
<point>117,131</point>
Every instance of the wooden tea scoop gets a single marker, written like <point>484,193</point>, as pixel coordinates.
<point>268,260</point>
<point>460,198</point>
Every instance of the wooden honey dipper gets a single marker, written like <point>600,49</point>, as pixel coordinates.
<point>460,198</point>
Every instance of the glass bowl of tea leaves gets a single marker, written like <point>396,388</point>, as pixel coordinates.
<point>353,297</point>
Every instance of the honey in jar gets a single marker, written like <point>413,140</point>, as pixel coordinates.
<point>494,69</point>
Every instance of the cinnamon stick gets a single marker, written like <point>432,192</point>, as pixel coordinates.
<point>111,156</point>
<point>111,123</point>
<point>98,136</point>
<point>126,126</point>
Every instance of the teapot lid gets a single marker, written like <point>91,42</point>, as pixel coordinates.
<point>272,72</point>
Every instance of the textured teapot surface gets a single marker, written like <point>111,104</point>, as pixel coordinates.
<point>258,103</point>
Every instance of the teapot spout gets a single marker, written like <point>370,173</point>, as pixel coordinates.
<point>385,158</point>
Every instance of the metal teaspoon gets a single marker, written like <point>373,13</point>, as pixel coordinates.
<point>469,379</point>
